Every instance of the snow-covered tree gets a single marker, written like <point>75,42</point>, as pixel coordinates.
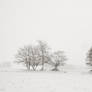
<point>58,59</point>
<point>28,55</point>
<point>44,53</point>
<point>33,56</point>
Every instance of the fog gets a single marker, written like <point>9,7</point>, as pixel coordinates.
<point>64,24</point>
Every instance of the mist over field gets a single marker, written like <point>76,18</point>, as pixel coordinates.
<point>66,25</point>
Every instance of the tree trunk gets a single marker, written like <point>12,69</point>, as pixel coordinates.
<point>34,68</point>
<point>42,67</point>
<point>42,63</point>
<point>55,68</point>
<point>28,67</point>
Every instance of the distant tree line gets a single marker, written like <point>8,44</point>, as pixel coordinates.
<point>34,56</point>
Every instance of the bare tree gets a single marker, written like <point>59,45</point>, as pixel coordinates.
<point>23,56</point>
<point>35,57</point>
<point>28,55</point>
<point>58,59</point>
<point>44,53</point>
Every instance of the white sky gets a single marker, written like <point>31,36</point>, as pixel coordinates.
<point>64,24</point>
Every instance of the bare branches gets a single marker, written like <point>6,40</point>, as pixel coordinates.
<point>44,50</point>
<point>33,56</point>
<point>58,59</point>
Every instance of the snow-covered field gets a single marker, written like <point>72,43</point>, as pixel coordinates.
<point>19,81</point>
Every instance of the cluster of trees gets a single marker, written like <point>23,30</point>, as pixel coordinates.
<point>33,56</point>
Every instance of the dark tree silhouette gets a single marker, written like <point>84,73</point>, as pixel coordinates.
<point>89,57</point>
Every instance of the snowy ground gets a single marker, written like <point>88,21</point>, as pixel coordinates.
<point>19,81</point>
